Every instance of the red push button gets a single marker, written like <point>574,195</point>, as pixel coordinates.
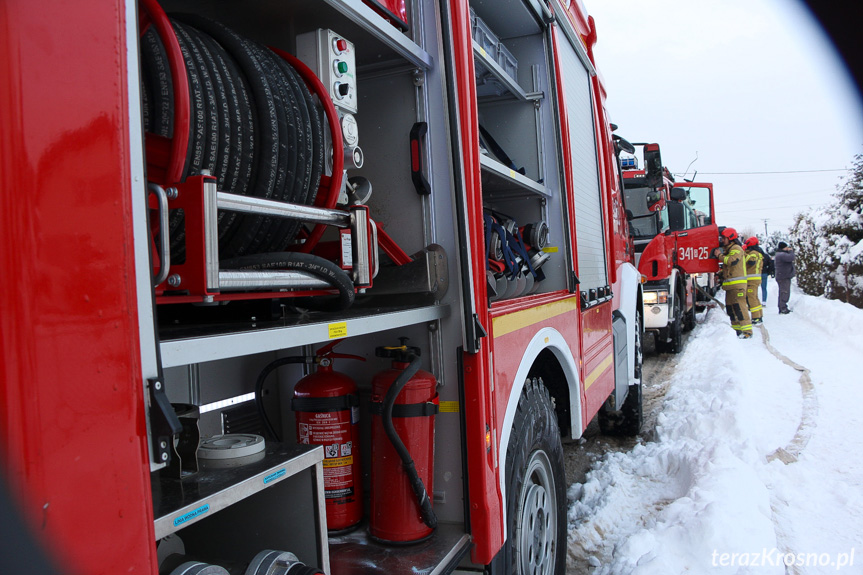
<point>341,45</point>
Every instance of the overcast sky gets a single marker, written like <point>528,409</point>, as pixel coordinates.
<point>748,85</point>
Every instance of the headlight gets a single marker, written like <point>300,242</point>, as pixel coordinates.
<point>654,297</point>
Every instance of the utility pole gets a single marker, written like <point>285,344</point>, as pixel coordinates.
<point>765,229</point>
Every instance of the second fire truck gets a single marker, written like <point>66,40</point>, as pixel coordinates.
<point>674,233</point>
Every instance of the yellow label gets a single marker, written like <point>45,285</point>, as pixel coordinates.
<point>339,461</point>
<point>483,52</point>
<point>338,330</point>
<point>512,173</point>
<point>449,407</point>
<point>550,249</point>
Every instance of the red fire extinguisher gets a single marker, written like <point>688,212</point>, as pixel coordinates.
<point>404,403</point>
<point>327,413</point>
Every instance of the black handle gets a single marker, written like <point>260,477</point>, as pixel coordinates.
<point>418,133</point>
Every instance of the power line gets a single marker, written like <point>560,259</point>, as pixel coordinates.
<point>768,208</point>
<point>763,173</point>
<point>785,195</point>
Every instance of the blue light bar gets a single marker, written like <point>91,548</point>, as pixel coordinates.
<point>629,163</point>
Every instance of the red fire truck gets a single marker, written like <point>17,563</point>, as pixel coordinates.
<point>673,237</point>
<point>223,207</point>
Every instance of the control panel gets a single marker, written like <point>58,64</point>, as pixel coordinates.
<point>333,58</point>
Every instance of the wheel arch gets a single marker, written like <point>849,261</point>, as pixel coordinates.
<point>547,355</point>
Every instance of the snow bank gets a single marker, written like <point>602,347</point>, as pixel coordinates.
<point>703,490</point>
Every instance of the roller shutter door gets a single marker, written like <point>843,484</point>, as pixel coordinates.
<point>591,253</point>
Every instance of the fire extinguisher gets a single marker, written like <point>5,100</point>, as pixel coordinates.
<point>404,403</point>
<point>326,404</point>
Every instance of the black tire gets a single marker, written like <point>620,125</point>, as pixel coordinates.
<point>536,491</point>
<point>675,329</point>
<point>627,422</point>
<point>689,320</point>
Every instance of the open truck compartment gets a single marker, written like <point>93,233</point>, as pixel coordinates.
<point>367,250</point>
<point>220,321</point>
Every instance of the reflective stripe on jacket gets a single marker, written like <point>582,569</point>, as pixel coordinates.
<point>754,265</point>
<point>733,267</point>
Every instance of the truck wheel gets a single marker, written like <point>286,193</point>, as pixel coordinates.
<point>536,498</point>
<point>689,320</point>
<point>675,330</point>
<point>628,420</point>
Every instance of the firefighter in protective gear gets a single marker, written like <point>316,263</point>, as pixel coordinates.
<point>731,254</point>
<point>754,265</point>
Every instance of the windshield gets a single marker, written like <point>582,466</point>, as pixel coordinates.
<point>644,223</point>
<point>636,201</point>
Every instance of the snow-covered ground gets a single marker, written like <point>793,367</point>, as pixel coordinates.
<point>752,467</point>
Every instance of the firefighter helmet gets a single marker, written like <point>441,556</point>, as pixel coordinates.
<point>729,233</point>
<point>751,242</point>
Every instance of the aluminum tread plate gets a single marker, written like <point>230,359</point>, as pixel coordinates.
<point>356,554</point>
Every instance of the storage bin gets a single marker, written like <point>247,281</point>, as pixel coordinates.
<point>507,61</point>
<point>487,39</point>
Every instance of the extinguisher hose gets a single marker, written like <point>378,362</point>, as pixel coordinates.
<point>259,390</point>
<point>428,514</point>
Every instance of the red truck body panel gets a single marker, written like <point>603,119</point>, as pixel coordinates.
<point>66,210</point>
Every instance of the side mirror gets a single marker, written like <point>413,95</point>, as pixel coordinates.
<point>653,165</point>
<point>678,194</point>
<point>622,145</point>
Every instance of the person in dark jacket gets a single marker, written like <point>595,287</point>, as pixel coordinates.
<point>767,269</point>
<point>784,263</point>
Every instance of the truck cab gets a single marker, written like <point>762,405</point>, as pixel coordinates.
<point>673,234</point>
<point>692,219</point>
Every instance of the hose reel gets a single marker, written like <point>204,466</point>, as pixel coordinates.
<point>220,106</point>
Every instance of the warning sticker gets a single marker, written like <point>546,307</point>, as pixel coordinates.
<point>449,407</point>
<point>338,330</point>
<point>339,462</point>
<point>333,432</point>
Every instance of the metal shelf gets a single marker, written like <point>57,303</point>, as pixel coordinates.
<point>498,181</point>
<point>179,347</point>
<point>375,25</point>
<point>375,38</point>
<point>180,503</point>
<point>505,79</point>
